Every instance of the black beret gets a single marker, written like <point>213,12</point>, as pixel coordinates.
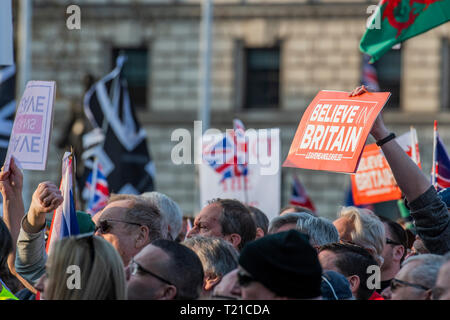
<point>285,263</point>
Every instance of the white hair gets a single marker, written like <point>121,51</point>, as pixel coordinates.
<point>287,218</point>
<point>427,270</point>
<point>368,231</point>
<point>321,231</point>
<point>172,216</point>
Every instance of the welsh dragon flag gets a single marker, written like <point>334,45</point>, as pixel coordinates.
<point>395,21</point>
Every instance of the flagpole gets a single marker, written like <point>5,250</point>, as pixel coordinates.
<point>205,52</point>
<point>24,37</point>
<point>433,166</point>
<point>413,144</point>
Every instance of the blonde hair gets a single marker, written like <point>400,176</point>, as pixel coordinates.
<point>368,231</point>
<point>101,270</point>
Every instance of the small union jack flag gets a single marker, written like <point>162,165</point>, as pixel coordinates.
<point>441,165</point>
<point>228,156</point>
<point>299,196</point>
<point>97,190</point>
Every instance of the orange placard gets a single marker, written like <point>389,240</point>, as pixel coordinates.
<point>373,181</point>
<point>333,131</point>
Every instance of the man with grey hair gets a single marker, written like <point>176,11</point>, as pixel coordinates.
<point>320,230</point>
<point>218,257</point>
<point>441,290</point>
<point>286,222</point>
<point>171,214</point>
<point>416,278</point>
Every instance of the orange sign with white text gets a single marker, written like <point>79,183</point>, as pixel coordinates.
<point>374,181</point>
<point>333,131</point>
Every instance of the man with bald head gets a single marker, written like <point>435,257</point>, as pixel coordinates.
<point>227,219</point>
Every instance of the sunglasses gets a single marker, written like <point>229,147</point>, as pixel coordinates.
<point>244,279</point>
<point>395,243</point>
<point>396,283</point>
<point>136,267</point>
<point>105,227</point>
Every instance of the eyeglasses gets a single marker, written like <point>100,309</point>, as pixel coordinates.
<point>104,225</point>
<point>244,279</point>
<point>395,243</point>
<point>395,284</point>
<point>136,267</point>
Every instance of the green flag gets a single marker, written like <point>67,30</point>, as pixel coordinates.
<point>398,20</point>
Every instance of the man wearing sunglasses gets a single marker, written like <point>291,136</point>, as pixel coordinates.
<point>129,223</point>
<point>164,270</point>
<point>394,252</point>
<point>416,278</point>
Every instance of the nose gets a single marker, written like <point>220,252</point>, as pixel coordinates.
<point>191,233</point>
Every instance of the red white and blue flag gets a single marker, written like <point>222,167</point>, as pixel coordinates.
<point>64,222</point>
<point>369,74</point>
<point>228,156</point>
<point>96,190</point>
<point>299,196</point>
<point>440,173</point>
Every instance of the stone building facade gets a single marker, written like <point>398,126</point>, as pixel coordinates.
<point>318,49</point>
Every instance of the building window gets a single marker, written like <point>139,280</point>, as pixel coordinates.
<point>389,72</point>
<point>135,70</point>
<point>262,78</point>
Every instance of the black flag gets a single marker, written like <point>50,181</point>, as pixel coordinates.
<point>7,107</point>
<point>117,140</point>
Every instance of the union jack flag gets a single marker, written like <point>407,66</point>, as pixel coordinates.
<point>299,196</point>
<point>441,164</point>
<point>228,156</point>
<point>369,74</point>
<point>96,190</point>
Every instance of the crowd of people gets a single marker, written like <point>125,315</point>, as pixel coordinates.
<point>137,247</point>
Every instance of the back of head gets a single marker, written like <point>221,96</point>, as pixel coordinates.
<point>99,266</point>
<point>172,216</point>
<point>288,218</point>
<point>293,208</point>
<point>260,219</point>
<point>321,231</point>
<point>142,212</point>
<point>236,218</point>
<point>285,263</point>
<point>368,231</point>
<point>353,260</point>
<point>335,286</point>
<point>218,256</point>
<point>426,270</point>
<point>184,269</point>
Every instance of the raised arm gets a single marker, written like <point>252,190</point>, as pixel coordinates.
<point>408,175</point>
<point>31,256</point>
<point>430,214</point>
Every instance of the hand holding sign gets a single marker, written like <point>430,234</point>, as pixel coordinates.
<point>333,130</point>
<point>30,137</point>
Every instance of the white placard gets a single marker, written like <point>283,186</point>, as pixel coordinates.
<point>262,186</point>
<point>6,33</point>
<point>30,136</point>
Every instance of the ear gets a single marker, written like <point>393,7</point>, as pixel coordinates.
<point>210,282</point>
<point>354,284</point>
<point>169,293</point>
<point>234,238</point>
<point>259,233</point>
<point>398,252</point>
<point>142,237</point>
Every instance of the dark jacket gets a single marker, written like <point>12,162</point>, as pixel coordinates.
<point>432,221</point>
